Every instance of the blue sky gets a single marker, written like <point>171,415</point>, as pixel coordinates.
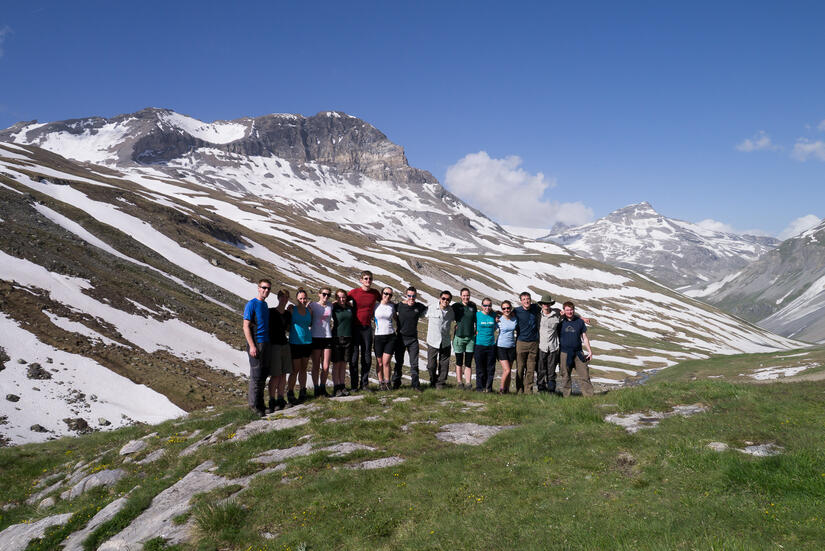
<point>581,108</point>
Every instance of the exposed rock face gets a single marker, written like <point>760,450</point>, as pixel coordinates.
<point>677,253</point>
<point>783,291</point>
<point>36,371</point>
<point>78,424</point>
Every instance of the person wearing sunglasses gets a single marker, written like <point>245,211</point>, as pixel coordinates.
<point>484,350</point>
<point>321,341</point>
<point>256,331</point>
<point>384,337</point>
<point>506,344</point>
<point>365,298</point>
<point>408,313</point>
<point>300,346</point>
<point>439,318</point>
<point>343,314</point>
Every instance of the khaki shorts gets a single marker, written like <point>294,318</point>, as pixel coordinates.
<point>463,344</point>
<point>280,360</point>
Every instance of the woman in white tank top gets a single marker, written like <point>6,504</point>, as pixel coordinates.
<point>384,337</point>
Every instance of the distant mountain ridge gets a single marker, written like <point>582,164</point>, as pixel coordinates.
<point>784,290</point>
<point>679,254</point>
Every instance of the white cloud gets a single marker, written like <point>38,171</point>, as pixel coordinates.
<point>510,194</point>
<point>4,30</point>
<point>759,141</point>
<point>716,225</point>
<point>804,149</point>
<point>801,224</point>
<point>821,126</point>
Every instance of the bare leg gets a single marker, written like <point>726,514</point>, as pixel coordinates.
<point>385,360</point>
<point>296,366</point>
<point>505,376</point>
<point>468,377</point>
<point>327,356</point>
<point>316,366</point>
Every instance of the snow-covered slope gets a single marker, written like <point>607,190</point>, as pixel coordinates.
<point>143,269</point>
<point>680,254</point>
<point>784,290</point>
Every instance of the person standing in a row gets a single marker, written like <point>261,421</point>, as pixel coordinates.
<point>365,298</point>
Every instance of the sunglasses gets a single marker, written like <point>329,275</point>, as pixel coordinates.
<point>324,294</point>
<point>410,296</point>
<point>265,288</point>
<point>506,308</point>
<point>486,305</point>
<point>386,294</point>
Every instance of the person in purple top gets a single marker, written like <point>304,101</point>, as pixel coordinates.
<point>256,331</point>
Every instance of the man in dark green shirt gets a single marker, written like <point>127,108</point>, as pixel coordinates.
<point>464,339</point>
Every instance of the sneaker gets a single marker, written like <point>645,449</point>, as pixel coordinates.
<point>302,396</point>
<point>344,391</point>
<point>290,397</point>
<point>339,391</point>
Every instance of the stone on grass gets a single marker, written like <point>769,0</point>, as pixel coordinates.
<point>152,457</point>
<point>351,398</point>
<point>402,399</point>
<point>634,422</point>
<point>17,536</point>
<point>276,456</point>
<point>762,450</point>
<point>267,425</point>
<point>718,446</point>
<point>345,448</point>
<point>43,493</point>
<point>106,477</point>
<point>46,503</point>
<point>468,433</point>
<point>209,439</point>
<point>377,463</point>
<point>133,446</point>
<point>75,541</point>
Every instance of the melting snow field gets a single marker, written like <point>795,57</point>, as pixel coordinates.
<point>769,373</point>
<point>43,401</point>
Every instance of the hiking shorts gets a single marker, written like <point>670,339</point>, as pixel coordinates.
<point>463,344</point>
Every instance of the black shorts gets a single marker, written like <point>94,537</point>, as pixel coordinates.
<point>299,351</point>
<point>342,349</point>
<point>384,344</point>
<point>321,343</point>
<point>506,354</point>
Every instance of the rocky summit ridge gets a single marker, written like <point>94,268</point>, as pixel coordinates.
<point>679,254</point>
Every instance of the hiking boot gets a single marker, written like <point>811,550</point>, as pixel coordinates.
<point>316,392</point>
<point>460,386</point>
<point>271,407</point>
<point>257,411</point>
<point>302,396</point>
<point>344,391</point>
<point>324,392</point>
<point>280,403</point>
<point>290,397</point>
<point>339,391</point>
<point>418,388</point>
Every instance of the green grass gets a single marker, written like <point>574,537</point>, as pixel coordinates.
<point>562,478</point>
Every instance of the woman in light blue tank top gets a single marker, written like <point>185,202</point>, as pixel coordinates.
<point>506,344</point>
<point>300,345</point>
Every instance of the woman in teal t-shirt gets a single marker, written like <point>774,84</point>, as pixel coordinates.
<point>485,346</point>
<point>300,345</point>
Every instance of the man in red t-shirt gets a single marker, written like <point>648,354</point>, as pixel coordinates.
<point>365,298</point>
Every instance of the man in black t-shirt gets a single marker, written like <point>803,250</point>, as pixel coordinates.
<point>407,315</point>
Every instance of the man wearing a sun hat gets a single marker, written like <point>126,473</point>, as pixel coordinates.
<point>548,345</point>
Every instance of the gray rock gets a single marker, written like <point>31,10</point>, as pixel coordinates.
<point>133,446</point>
<point>43,493</point>
<point>345,448</point>
<point>351,398</point>
<point>102,421</point>
<point>46,503</point>
<point>106,477</point>
<point>468,433</point>
<point>762,450</point>
<point>267,425</point>
<point>158,519</point>
<point>718,446</point>
<point>152,457</point>
<point>36,371</point>
<point>377,463</point>
<point>38,428</point>
<point>12,397</point>
<point>17,536</point>
<point>78,425</point>
<point>402,399</point>
<point>276,456</point>
<point>75,541</point>
<point>634,422</point>
<point>21,361</point>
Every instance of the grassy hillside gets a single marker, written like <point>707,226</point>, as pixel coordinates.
<point>559,477</point>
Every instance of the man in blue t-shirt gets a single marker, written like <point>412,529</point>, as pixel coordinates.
<point>256,331</point>
<point>572,335</point>
<point>527,343</point>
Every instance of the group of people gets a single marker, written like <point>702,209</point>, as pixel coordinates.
<point>532,340</point>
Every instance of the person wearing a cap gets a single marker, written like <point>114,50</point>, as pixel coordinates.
<point>548,345</point>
